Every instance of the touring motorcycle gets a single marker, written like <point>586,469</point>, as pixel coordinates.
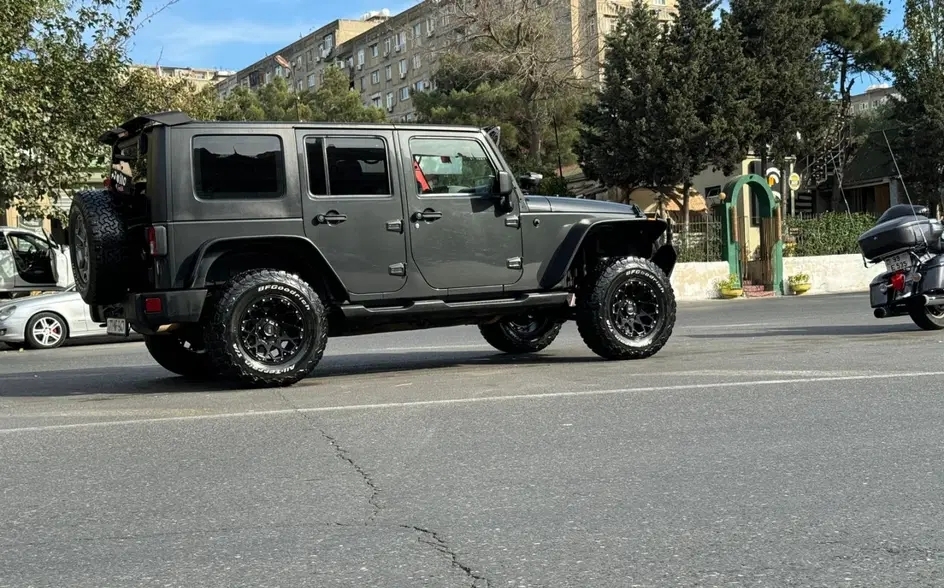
<point>908,241</point>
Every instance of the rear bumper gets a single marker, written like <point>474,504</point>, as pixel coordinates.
<point>172,306</point>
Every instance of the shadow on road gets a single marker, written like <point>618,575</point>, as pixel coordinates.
<point>156,380</point>
<point>817,331</point>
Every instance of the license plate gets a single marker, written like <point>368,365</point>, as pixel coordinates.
<point>902,261</point>
<point>114,326</point>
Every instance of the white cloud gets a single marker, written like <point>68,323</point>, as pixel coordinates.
<point>180,41</point>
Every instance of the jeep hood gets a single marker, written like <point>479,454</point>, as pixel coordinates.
<point>578,205</point>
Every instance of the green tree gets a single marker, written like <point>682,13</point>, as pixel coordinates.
<point>520,48</point>
<point>668,108</point>
<point>335,101</point>
<point>56,97</point>
<point>790,85</point>
<point>919,113</point>
<point>332,101</point>
<point>143,90</point>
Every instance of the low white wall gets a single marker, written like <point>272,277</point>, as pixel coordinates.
<point>832,273</point>
<point>698,280</point>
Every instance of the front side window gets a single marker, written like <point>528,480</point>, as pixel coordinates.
<point>452,166</point>
<point>238,167</point>
<point>348,166</point>
<point>23,243</point>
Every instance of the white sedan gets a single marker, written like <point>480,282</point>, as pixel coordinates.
<point>47,320</point>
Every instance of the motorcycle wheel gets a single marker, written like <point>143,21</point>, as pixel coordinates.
<point>929,318</point>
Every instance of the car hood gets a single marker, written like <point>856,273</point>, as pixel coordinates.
<point>579,205</point>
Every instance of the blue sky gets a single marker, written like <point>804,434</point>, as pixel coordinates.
<point>231,34</point>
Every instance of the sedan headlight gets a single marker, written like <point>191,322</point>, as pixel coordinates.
<point>6,312</point>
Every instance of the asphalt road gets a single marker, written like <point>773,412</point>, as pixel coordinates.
<point>778,442</point>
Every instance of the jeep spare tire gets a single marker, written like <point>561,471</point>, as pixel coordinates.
<point>98,247</point>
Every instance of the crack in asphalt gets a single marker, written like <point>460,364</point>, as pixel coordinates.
<point>427,536</point>
<point>441,546</point>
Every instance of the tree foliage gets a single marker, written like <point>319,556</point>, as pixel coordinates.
<point>57,66</point>
<point>919,113</point>
<point>143,90</point>
<point>789,81</point>
<point>332,101</point>
<point>670,105</point>
<point>514,64</point>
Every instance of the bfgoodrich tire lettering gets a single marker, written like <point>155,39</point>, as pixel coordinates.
<point>521,334</point>
<point>98,247</point>
<point>627,309</point>
<point>266,328</point>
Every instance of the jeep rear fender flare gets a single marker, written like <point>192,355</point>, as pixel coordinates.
<point>649,230</point>
<point>309,254</point>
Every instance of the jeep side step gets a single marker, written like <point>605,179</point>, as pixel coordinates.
<point>441,308</point>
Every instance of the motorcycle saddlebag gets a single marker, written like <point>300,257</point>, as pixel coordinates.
<point>898,234</point>
<point>932,276</point>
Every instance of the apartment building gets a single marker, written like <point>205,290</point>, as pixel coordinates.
<point>390,57</point>
<point>872,98</point>
<point>307,57</point>
<point>201,77</point>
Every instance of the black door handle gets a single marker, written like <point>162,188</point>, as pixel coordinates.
<point>330,218</point>
<point>426,215</point>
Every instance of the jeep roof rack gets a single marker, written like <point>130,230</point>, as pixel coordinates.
<point>134,126</point>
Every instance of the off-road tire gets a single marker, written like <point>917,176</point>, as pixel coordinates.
<point>173,354</point>
<point>100,268</point>
<point>231,359</point>
<point>594,317</point>
<point>926,317</point>
<point>52,318</point>
<point>503,336</point>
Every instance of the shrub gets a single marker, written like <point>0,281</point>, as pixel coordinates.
<point>831,233</point>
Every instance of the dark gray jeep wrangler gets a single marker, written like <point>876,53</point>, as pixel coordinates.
<point>236,249</point>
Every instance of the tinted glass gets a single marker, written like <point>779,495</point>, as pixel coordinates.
<point>238,166</point>
<point>357,166</point>
<point>314,155</point>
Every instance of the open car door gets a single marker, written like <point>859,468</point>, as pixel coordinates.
<point>7,266</point>
<point>35,261</point>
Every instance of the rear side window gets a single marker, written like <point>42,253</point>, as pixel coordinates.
<point>227,167</point>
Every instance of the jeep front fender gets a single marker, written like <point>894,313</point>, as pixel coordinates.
<point>624,235</point>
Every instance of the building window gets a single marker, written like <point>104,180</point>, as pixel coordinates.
<point>388,72</point>
<point>311,80</point>
<point>356,166</point>
<point>374,50</point>
<point>416,61</point>
<point>360,57</point>
<point>403,67</point>
<point>446,163</point>
<point>389,100</point>
<point>375,77</point>
<point>404,93</point>
<point>238,166</point>
<point>387,46</point>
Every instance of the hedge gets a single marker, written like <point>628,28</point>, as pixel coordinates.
<point>831,233</point>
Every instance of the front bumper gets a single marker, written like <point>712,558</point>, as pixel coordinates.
<point>13,330</point>
<point>146,312</point>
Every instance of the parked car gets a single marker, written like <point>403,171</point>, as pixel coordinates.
<point>46,321</point>
<point>31,261</point>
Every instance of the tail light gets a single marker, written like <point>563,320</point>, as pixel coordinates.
<point>156,240</point>
<point>898,281</point>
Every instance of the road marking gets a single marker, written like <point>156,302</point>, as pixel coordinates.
<point>450,401</point>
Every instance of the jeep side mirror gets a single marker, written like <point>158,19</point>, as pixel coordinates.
<point>505,185</point>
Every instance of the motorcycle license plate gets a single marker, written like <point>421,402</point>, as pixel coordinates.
<point>902,261</point>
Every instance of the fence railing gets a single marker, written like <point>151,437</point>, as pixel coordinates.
<point>701,242</point>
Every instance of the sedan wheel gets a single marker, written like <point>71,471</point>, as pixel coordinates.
<point>45,331</point>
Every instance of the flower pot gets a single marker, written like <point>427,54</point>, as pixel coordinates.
<point>731,292</point>
<point>800,288</point>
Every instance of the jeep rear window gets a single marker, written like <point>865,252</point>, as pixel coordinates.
<point>238,167</point>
